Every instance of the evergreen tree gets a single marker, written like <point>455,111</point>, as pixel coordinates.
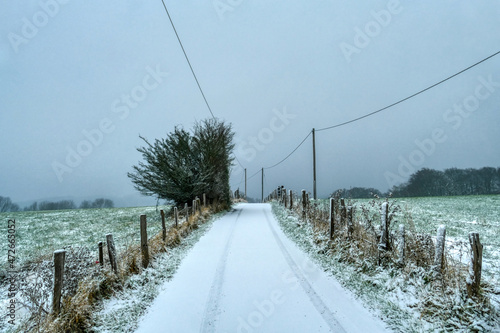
<point>184,165</point>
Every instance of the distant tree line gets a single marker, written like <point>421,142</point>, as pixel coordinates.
<point>6,205</point>
<point>56,205</point>
<point>429,182</point>
<point>357,193</point>
<point>97,203</point>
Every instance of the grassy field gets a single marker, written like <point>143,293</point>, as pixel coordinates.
<point>42,232</point>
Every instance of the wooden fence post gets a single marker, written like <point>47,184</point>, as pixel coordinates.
<point>284,198</point>
<point>439,255</point>
<point>198,205</point>
<point>332,217</point>
<point>144,242</point>
<point>476,262</point>
<point>343,212</point>
<point>204,200</point>
<point>186,207</point>
<point>291,199</point>
<point>308,206</point>
<point>303,204</point>
<point>176,217</point>
<point>163,226</point>
<point>194,207</point>
<point>112,252</point>
<point>101,254</point>
<point>384,237</point>
<point>401,245</point>
<point>350,225</point>
<point>59,258</point>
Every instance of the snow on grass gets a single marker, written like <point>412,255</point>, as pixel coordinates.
<point>406,300</point>
<point>122,312</point>
<point>40,233</point>
<point>460,214</point>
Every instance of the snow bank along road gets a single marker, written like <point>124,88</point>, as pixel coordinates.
<point>245,276</point>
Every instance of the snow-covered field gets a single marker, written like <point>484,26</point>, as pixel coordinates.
<point>40,233</point>
<point>461,215</point>
<point>259,277</point>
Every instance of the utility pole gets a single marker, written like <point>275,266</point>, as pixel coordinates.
<point>314,164</point>
<point>245,183</point>
<point>262,195</point>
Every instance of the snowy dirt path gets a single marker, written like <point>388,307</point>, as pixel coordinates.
<point>245,276</point>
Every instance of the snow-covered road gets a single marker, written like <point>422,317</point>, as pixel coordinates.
<point>245,276</point>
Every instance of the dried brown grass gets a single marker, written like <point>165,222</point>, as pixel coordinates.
<point>77,306</point>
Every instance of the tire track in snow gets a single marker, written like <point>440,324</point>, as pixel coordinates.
<point>315,299</point>
<point>212,310</point>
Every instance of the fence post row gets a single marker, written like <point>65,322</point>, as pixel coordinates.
<point>346,215</point>
<point>59,258</point>
<point>144,242</point>
<point>112,252</point>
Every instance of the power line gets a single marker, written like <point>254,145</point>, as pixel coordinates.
<point>187,59</point>
<point>411,96</point>
<point>237,160</point>
<point>255,174</point>
<point>293,151</point>
<point>377,111</point>
<point>192,71</point>
<point>283,160</point>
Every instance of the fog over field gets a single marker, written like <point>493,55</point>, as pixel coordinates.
<point>79,82</point>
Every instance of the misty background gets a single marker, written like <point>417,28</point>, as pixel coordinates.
<point>80,81</point>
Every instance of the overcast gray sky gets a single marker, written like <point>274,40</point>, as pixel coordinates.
<point>79,81</point>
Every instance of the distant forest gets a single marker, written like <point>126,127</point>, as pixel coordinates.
<point>6,205</point>
<point>429,182</point>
